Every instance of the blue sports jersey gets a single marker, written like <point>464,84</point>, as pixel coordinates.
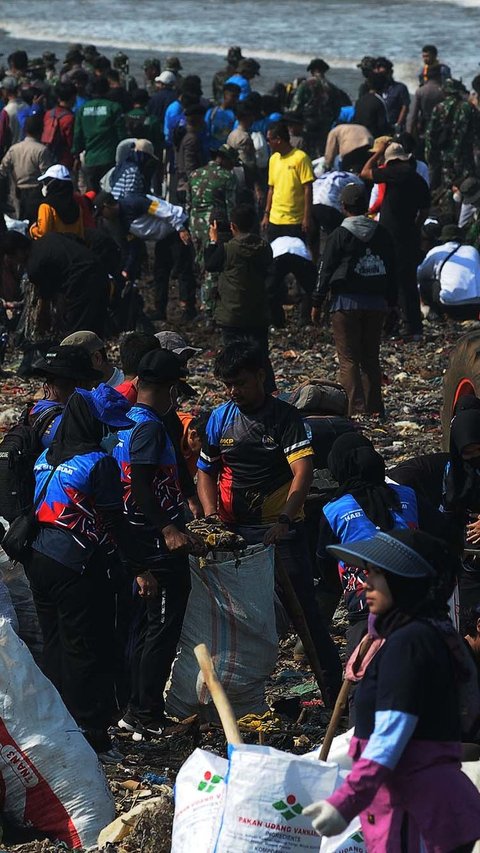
<point>71,527</point>
<point>49,433</point>
<point>350,524</point>
<point>148,443</point>
<point>219,123</point>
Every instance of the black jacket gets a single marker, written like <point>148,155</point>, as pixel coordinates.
<point>358,258</point>
<point>243,264</point>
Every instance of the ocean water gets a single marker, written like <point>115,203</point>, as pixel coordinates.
<point>281,32</point>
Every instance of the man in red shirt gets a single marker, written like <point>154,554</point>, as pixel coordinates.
<point>58,125</point>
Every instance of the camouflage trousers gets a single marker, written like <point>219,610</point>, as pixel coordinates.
<point>208,280</point>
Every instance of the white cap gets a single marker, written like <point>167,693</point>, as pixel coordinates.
<point>166,77</point>
<point>59,172</point>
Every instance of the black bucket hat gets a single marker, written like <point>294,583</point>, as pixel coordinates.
<point>67,362</point>
<point>396,552</point>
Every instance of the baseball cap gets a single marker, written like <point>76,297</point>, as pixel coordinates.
<point>227,151</point>
<point>173,62</point>
<point>353,195</point>
<point>174,342</point>
<point>166,77</point>
<point>378,142</point>
<point>108,406</point>
<point>66,362</point>
<point>88,340</point>
<point>394,552</point>
<point>146,147</point>
<point>60,173</point>
<point>162,366</point>
<point>395,151</point>
<point>451,232</point>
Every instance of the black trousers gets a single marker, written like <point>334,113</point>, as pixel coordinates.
<point>407,259</point>
<point>156,639</point>
<point>76,615</point>
<point>294,555</point>
<point>260,336</point>
<point>171,253</point>
<point>305,273</point>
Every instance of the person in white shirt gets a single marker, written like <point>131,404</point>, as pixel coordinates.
<point>327,208</point>
<point>291,256</point>
<point>449,277</point>
<point>96,349</point>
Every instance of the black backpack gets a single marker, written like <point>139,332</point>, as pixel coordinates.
<point>19,451</point>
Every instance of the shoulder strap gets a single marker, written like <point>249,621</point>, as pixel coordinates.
<point>44,419</point>
<point>445,261</point>
<point>44,490</point>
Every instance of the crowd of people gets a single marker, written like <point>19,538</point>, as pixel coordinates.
<point>370,209</point>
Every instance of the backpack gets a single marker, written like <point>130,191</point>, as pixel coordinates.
<point>261,149</point>
<point>52,132</point>
<point>19,451</point>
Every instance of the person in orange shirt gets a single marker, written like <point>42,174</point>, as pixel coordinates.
<point>193,433</point>
<point>60,212</point>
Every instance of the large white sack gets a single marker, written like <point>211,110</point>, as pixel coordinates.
<point>231,610</point>
<point>52,778</point>
<point>14,577</point>
<point>199,795</point>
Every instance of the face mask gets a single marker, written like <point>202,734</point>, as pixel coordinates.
<point>457,197</point>
<point>44,190</point>
<point>109,441</point>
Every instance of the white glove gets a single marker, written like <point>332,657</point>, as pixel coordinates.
<point>326,820</point>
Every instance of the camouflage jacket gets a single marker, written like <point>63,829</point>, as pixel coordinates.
<point>453,130</point>
<point>211,190</point>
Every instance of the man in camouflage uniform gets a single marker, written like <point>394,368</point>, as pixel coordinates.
<point>318,102</point>
<point>232,59</point>
<point>451,135</point>
<point>211,195</point>
<point>121,63</point>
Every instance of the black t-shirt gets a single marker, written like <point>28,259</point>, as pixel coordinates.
<point>405,195</point>
<point>251,455</point>
<point>371,112</point>
<point>411,674</point>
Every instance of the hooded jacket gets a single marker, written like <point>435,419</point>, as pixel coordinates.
<point>243,263</point>
<point>358,258</point>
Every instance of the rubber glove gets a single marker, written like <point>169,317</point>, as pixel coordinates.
<point>326,819</point>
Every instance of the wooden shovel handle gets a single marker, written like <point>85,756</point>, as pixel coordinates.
<point>219,697</point>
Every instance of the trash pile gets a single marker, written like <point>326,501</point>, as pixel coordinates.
<point>142,786</point>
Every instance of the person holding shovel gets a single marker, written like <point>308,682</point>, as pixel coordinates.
<point>417,694</point>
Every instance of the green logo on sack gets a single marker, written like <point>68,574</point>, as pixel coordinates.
<point>290,809</point>
<point>358,837</point>
<point>209,782</point>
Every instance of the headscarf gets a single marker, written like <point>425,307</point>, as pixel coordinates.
<point>60,197</point>
<point>462,490</point>
<point>360,472</point>
<point>79,432</point>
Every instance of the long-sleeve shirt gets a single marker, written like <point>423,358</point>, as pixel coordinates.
<point>99,127</point>
<point>24,162</point>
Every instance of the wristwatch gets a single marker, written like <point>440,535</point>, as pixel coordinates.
<point>284,519</point>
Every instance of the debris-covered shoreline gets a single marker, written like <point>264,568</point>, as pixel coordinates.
<point>413,395</point>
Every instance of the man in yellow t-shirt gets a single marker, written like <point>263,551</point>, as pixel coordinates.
<point>288,207</point>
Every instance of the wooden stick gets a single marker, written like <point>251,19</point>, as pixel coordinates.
<point>295,611</point>
<point>219,697</point>
<point>341,702</point>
